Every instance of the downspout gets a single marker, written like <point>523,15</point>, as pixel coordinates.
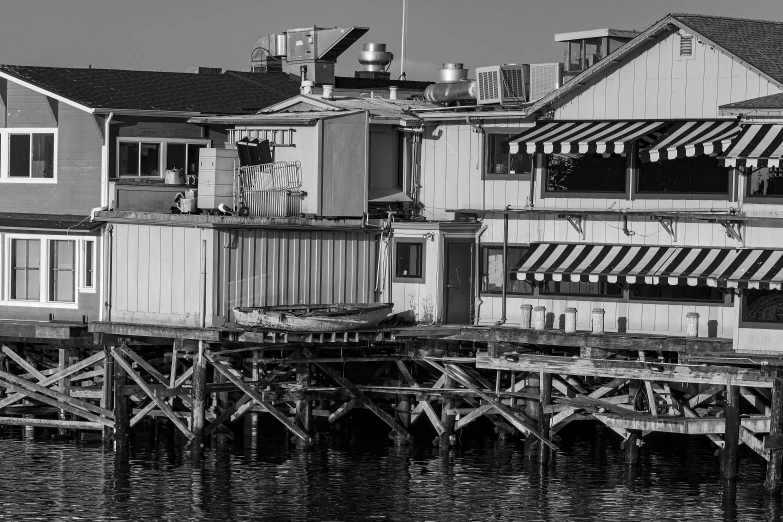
<point>110,229</point>
<point>505,269</point>
<point>104,168</point>
<point>479,302</point>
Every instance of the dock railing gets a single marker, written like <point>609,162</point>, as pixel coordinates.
<point>271,189</point>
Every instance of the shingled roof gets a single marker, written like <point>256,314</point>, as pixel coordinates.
<point>773,101</point>
<point>227,93</point>
<point>757,42</point>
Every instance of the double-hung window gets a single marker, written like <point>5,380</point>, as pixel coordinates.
<point>46,270</point>
<point>28,155</point>
<point>151,157</point>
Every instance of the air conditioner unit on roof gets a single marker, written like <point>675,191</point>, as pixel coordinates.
<point>544,78</point>
<point>502,84</point>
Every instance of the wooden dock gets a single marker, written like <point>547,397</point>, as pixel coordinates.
<point>115,377</point>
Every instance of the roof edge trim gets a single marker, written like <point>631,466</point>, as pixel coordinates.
<point>45,92</point>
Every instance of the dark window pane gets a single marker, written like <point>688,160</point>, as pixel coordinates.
<point>666,292</point>
<point>88,263</point>
<point>408,260</point>
<point>129,159</point>
<point>594,51</point>
<point>586,173</point>
<point>193,158</point>
<point>25,274</point>
<point>575,56</point>
<point>700,174</point>
<point>176,156</point>
<point>43,156</point>
<point>499,163</point>
<point>19,152</point>
<point>766,181</point>
<point>492,271</point>
<point>581,288</point>
<point>150,159</point>
<point>764,306</point>
<point>62,271</point>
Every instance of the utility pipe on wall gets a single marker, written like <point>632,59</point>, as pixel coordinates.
<point>479,302</point>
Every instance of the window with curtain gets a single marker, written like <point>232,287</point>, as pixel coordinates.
<point>31,155</point>
<point>26,269</point>
<point>492,271</point>
<point>62,271</point>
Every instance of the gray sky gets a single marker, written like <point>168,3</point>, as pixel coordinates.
<point>172,35</point>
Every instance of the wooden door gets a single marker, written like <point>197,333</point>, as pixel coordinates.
<point>458,294</point>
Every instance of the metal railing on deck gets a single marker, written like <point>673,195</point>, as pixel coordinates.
<point>271,189</point>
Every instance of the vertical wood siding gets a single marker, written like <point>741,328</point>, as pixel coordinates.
<point>657,83</point>
<point>264,267</point>
<point>156,275</point>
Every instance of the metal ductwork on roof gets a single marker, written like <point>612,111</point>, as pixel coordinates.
<point>316,47</point>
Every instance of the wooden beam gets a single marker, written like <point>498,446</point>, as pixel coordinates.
<point>426,407</point>
<point>706,395</point>
<point>753,442</point>
<point>474,414</point>
<point>51,423</point>
<point>343,410</point>
<point>651,402</point>
<point>648,371</point>
<point>235,377</point>
<point>56,395</point>
<point>152,405</point>
<point>162,406</point>
<point>226,415</point>
<point>757,402</point>
<point>504,410</point>
<point>681,425</point>
<point>57,376</point>
<point>24,364</point>
<point>358,395</point>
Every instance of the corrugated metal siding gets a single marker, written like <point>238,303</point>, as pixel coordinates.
<point>276,267</point>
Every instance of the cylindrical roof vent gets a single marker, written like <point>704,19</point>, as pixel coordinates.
<point>451,73</point>
<point>374,57</point>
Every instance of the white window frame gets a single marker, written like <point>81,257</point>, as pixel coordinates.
<point>5,143</point>
<point>44,269</point>
<point>163,152</point>
<point>82,282</point>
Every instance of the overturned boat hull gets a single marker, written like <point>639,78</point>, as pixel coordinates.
<point>314,318</point>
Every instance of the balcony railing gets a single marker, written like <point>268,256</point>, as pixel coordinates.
<point>271,189</point>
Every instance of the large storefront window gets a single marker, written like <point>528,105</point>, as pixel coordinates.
<point>696,175</point>
<point>766,181</point>
<point>581,288</point>
<point>492,271</point>
<point>585,173</point>
<point>764,306</point>
<point>666,292</point>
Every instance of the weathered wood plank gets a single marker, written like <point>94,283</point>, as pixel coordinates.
<point>51,423</point>
<point>647,371</point>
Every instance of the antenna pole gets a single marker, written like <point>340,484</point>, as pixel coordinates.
<point>404,37</point>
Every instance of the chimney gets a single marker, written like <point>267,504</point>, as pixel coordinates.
<point>392,93</point>
<point>327,92</point>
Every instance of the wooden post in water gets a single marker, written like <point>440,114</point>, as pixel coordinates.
<point>544,419</point>
<point>774,466</point>
<point>447,420</point>
<point>304,409</point>
<point>731,414</point>
<point>107,401</point>
<point>199,400</point>
<point>121,410</point>
<point>251,418</point>
<point>631,448</point>
<point>64,386</point>
<point>403,413</point>
<point>532,411</point>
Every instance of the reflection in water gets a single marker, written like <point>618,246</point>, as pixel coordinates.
<point>265,477</point>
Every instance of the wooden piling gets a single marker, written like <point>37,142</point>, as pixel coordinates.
<point>64,385</point>
<point>631,448</point>
<point>774,466</point>
<point>107,401</point>
<point>544,419</point>
<point>447,420</point>
<point>198,418</point>
<point>304,409</point>
<point>532,409</point>
<point>121,410</point>
<point>731,414</point>
<point>251,418</point>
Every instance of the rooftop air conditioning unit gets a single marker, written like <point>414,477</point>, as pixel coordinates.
<point>502,84</point>
<point>544,78</point>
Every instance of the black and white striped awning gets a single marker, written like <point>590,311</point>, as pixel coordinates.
<point>693,266</point>
<point>690,138</point>
<point>758,145</point>
<point>599,137</point>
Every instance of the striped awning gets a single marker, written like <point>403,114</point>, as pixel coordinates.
<point>599,137</point>
<point>693,266</point>
<point>756,146</point>
<point>690,138</point>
